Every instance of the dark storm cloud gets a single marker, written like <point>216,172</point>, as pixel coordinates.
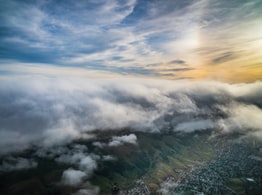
<point>49,112</point>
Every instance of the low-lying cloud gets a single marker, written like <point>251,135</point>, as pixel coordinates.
<point>55,111</point>
<point>82,163</point>
<point>73,177</point>
<point>18,163</point>
<point>242,117</point>
<point>120,140</point>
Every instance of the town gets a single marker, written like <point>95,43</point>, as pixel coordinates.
<point>235,162</point>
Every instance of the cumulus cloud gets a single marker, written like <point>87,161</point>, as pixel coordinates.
<point>52,112</point>
<point>73,177</point>
<point>84,164</point>
<point>14,164</point>
<point>117,141</point>
<point>71,155</point>
<point>120,140</point>
<point>78,156</point>
<point>88,164</point>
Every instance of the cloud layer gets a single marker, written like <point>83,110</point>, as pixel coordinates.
<point>50,112</point>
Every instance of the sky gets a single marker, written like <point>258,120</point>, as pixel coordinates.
<point>71,69</point>
<point>170,39</point>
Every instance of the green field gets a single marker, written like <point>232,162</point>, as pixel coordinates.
<point>155,157</point>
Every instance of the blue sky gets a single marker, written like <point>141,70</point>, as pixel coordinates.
<point>131,37</point>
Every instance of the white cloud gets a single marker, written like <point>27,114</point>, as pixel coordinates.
<point>242,118</point>
<point>88,164</point>
<point>76,155</point>
<point>120,140</point>
<point>70,158</point>
<point>79,157</point>
<point>73,177</point>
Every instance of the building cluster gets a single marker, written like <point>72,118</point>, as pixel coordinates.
<point>140,188</point>
<point>237,161</point>
<point>233,161</point>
